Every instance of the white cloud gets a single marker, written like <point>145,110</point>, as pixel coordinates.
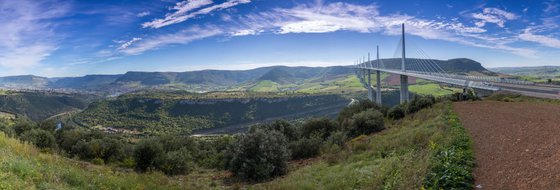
<point>493,15</point>
<point>26,36</point>
<point>126,44</point>
<point>183,11</point>
<point>246,32</point>
<point>367,19</point>
<point>181,37</point>
<point>143,14</point>
<point>527,35</point>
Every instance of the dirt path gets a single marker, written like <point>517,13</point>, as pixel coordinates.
<point>517,145</point>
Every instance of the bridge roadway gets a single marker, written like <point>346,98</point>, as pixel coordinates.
<point>533,90</point>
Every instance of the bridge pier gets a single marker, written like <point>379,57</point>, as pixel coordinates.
<point>378,87</point>
<point>404,89</point>
<point>370,90</point>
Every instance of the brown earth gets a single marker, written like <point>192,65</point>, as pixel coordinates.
<point>517,145</point>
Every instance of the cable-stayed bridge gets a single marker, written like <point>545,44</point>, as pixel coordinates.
<point>426,68</point>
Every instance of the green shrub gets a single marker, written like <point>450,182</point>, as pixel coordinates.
<point>22,127</point>
<point>40,138</point>
<point>396,112</point>
<point>260,155</point>
<point>282,126</point>
<point>176,162</point>
<point>305,147</point>
<point>321,127</point>
<point>347,113</point>
<point>366,122</point>
<point>98,161</point>
<point>146,152</point>
<point>419,103</point>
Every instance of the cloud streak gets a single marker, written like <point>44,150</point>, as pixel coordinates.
<point>27,37</point>
<point>183,11</point>
<point>493,15</point>
<point>159,41</point>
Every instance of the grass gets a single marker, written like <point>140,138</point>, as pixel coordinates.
<point>265,86</point>
<point>22,166</point>
<point>404,156</point>
<point>432,89</point>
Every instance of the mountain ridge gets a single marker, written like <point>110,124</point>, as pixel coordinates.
<point>211,79</point>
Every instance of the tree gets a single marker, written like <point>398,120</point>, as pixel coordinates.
<point>321,127</point>
<point>346,113</point>
<point>40,138</point>
<point>146,152</point>
<point>175,162</point>
<point>396,112</point>
<point>260,155</point>
<point>366,122</point>
<point>22,127</point>
<point>305,147</point>
<point>282,126</point>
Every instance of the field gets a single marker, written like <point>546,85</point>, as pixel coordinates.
<point>515,143</point>
<point>432,89</point>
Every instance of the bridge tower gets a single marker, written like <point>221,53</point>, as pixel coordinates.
<point>404,78</point>
<point>378,81</point>
<point>370,90</point>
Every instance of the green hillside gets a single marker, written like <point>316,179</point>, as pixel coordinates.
<point>168,112</point>
<point>429,149</point>
<point>41,105</point>
<point>23,166</point>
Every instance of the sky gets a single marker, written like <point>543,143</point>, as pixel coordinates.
<point>56,38</point>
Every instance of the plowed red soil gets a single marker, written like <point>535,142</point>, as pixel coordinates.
<point>517,145</point>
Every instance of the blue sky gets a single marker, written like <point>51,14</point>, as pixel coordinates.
<point>72,38</point>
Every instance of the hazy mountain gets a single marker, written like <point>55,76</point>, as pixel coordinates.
<point>27,81</point>
<point>539,71</point>
<point>85,82</point>
<point>215,79</point>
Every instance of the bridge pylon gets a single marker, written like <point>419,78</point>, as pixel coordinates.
<point>404,78</point>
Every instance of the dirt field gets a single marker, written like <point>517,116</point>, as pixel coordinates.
<point>517,145</point>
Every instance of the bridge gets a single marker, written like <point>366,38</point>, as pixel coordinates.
<point>428,69</point>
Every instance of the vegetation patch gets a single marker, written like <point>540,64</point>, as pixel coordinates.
<point>452,160</point>
<point>408,154</point>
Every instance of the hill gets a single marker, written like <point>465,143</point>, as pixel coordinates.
<point>41,105</point>
<point>24,81</point>
<point>88,82</point>
<point>286,78</point>
<point>540,72</point>
<point>170,112</point>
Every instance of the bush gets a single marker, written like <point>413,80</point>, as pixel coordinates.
<point>282,126</point>
<point>40,138</point>
<point>396,112</point>
<point>22,127</point>
<point>145,154</point>
<point>321,127</point>
<point>259,156</point>
<point>176,162</point>
<point>107,149</point>
<point>419,103</point>
<point>347,113</point>
<point>366,122</point>
<point>305,147</point>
